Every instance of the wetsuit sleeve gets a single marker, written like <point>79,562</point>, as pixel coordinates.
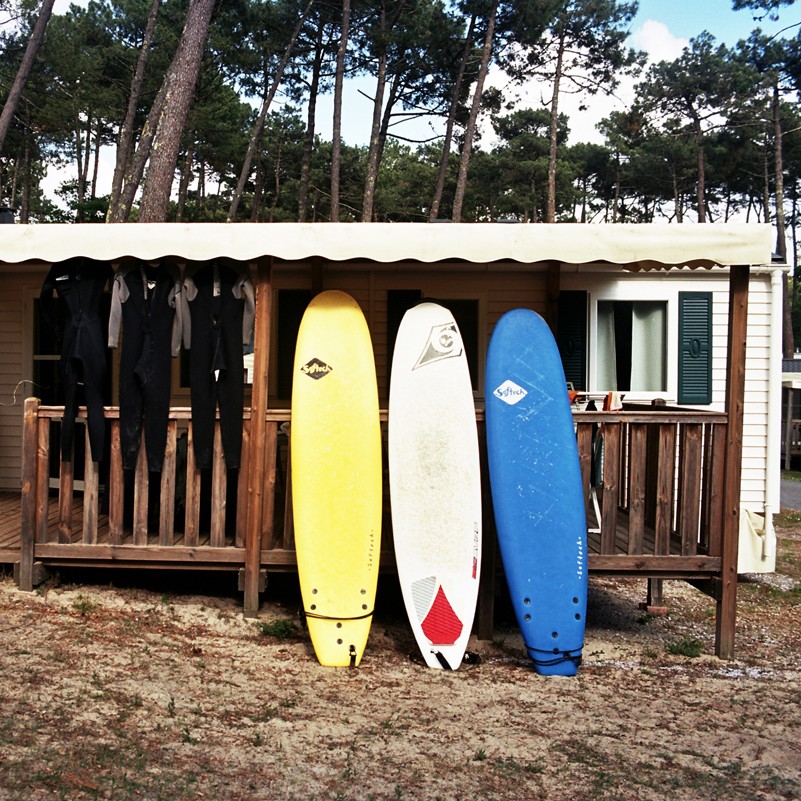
<point>176,302</point>
<point>188,293</point>
<point>119,294</point>
<point>244,289</point>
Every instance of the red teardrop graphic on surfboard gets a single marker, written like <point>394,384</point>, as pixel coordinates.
<point>441,625</point>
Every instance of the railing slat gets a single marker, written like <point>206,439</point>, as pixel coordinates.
<point>167,497</point>
<point>116,487</point>
<point>289,512</point>
<point>638,439</point>
<point>242,488</point>
<point>584,432</point>
<point>218,491</point>
<point>28,501</point>
<point>65,486</point>
<point>716,477</point>
<point>611,435</point>
<point>689,489</point>
<point>90,493</point>
<point>42,479</point>
<point>141,496</point>
<point>663,524</point>
<point>192,518</point>
<point>269,538</point>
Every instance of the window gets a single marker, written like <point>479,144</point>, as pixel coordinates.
<point>644,348</point>
<point>632,345</point>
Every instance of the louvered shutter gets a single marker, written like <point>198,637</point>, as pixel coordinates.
<point>695,347</point>
<point>571,337</point>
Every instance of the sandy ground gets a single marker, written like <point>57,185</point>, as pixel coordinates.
<point>113,691</point>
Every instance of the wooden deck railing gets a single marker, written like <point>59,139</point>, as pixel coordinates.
<point>653,482</point>
<point>652,479</point>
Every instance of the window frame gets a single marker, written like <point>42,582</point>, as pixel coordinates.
<point>626,292</point>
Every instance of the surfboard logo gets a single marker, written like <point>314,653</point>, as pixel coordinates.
<point>438,620</point>
<point>510,393</point>
<point>444,342</point>
<point>316,369</point>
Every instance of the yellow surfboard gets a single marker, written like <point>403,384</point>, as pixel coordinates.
<point>336,476</point>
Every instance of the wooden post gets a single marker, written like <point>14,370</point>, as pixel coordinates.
<point>735,397</point>
<point>28,516</point>
<point>261,275</point>
<point>554,288</point>
<point>788,430</point>
<point>485,612</point>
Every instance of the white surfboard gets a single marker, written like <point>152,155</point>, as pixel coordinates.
<point>435,483</point>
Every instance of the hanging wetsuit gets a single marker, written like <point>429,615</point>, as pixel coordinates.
<point>221,307</point>
<point>80,284</point>
<point>146,300</point>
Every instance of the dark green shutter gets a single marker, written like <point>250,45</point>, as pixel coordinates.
<point>695,347</point>
<point>571,336</point>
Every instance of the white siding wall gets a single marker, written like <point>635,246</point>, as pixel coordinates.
<point>666,286</point>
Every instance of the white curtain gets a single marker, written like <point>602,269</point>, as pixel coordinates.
<point>648,346</point>
<point>606,370</point>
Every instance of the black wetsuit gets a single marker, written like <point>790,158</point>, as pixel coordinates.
<point>221,311</point>
<point>146,300</point>
<point>80,284</point>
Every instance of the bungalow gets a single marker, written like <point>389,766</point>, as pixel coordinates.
<point>654,313</point>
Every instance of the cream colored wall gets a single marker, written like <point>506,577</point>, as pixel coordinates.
<point>496,291</point>
<point>17,290</point>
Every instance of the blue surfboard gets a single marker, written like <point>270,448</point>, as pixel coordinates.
<point>537,492</point>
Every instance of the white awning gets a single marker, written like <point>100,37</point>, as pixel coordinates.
<point>635,246</point>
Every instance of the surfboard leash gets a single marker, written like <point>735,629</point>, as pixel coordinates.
<point>304,615</point>
<point>564,656</point>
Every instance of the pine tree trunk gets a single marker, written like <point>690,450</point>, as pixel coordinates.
<point>336,136</point>
<point>180,80</point>
<point>125,144</point>
<point>79,168</point>
<point>308,143</point>
<point>701,159</point>
<point>550,212</point>
<point>442,174</point>
<point>788,340</point>
<point>255,134</point>
<point>375,130</point>
<point>258,192</point>
<point>136,168</point>
<point>21,78</point>
<point>96,163</point>
<point>376,146</point>
<point>183,186</point>
<point>470,130</point>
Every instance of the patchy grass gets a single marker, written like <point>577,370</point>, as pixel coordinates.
<point>279,629</point>
<point>686,646</point>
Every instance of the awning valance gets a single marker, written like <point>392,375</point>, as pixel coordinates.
<point>635,246</point>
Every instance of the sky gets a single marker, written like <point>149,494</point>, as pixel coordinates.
<point>662,28</point>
